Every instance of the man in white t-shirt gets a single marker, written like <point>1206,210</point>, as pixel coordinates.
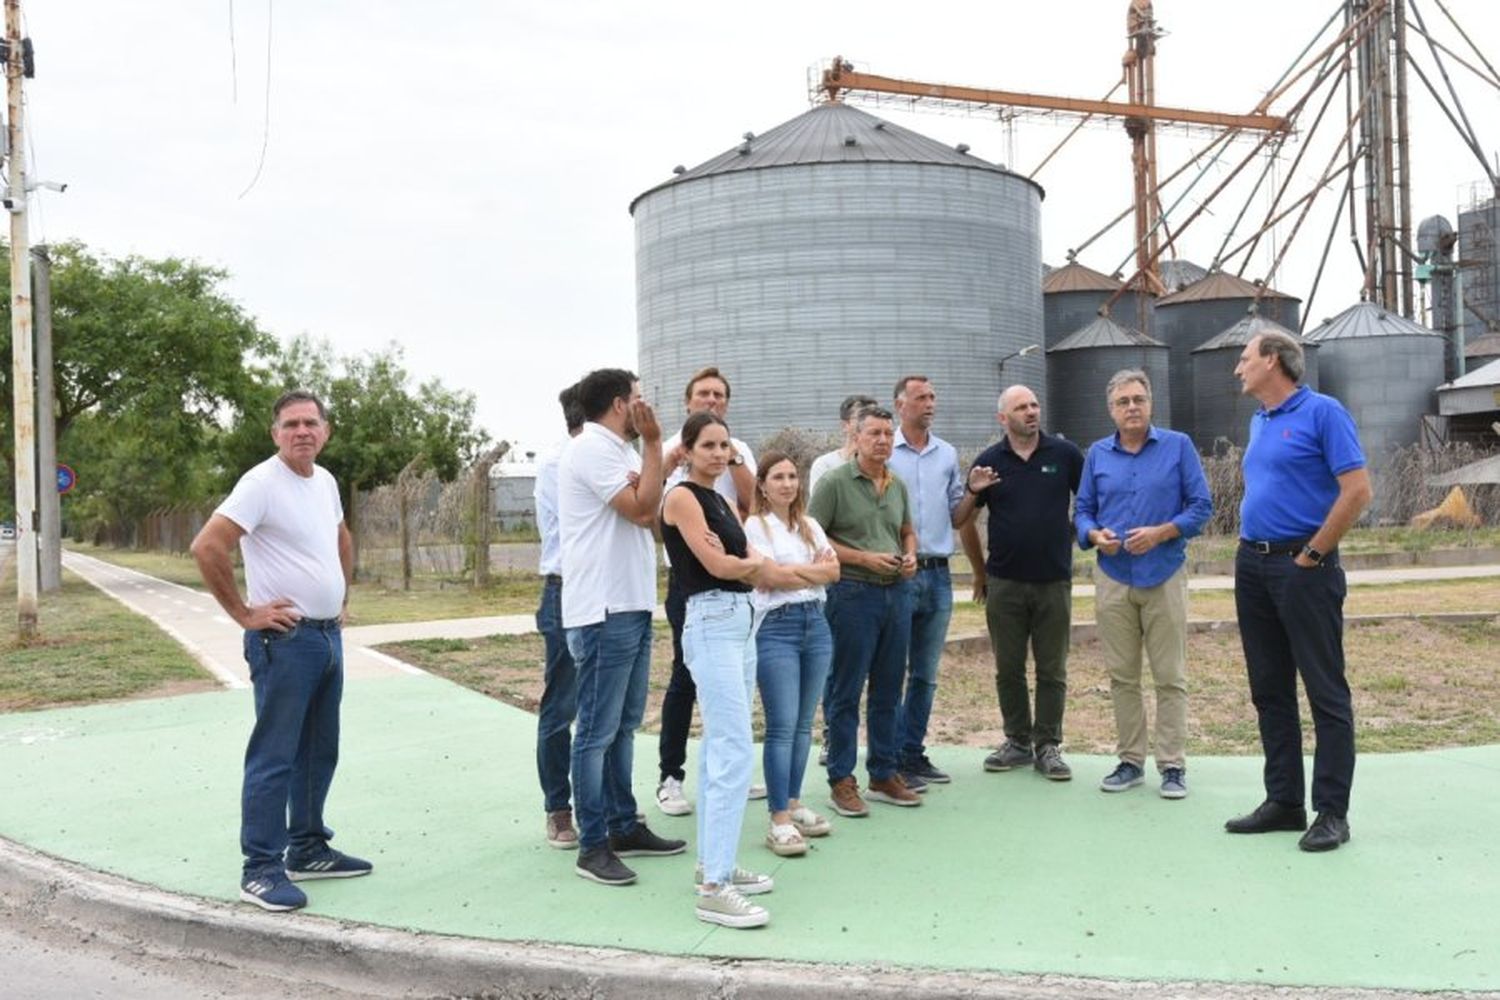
<point>607,499</point>
<point>708,389</point>
<point>286,518</point>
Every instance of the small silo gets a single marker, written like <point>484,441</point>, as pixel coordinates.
<point>833,254</point>
<point>1196,312</point>
<point>1178,273</point>
<point>1385,369</point>
<point>1073,294</point>
<point>1221,411</point>
<point>1079,368</point>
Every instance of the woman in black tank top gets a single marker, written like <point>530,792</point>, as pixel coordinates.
<point>716,568</point>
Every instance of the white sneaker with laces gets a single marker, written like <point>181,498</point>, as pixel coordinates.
<point>728,907</point>
<point>670,800</point>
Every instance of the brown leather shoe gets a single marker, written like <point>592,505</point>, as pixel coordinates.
<point>844,797</point>
<point>560,832</point>
<point>894,791</point>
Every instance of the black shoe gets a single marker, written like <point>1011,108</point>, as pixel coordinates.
<point>1327,832</point>
<point>600,865</point>
<point>921,767</point>
<point>1268,817</point>
<point>914,782</point>
<point>642,843</point>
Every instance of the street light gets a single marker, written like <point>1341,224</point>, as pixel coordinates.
<point>1024,352</point>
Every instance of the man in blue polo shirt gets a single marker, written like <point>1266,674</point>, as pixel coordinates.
<point>1026,481</point>
<point>1305,486</point>
<point>1143,495</point>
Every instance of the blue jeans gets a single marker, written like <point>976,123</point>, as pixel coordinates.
<point>871,626</point>
<point>793,648</point>
<point>613,658</point>
<point>298,681</point>
<point>1292,624</point>
<point>932,607</point>
<point>718,643</point>
<point>554,741</point>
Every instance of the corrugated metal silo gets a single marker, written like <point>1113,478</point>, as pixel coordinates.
<point>1193,314</point>
<point>1220,410</point>
<point>1080,367</point>
<point>1385,369</point>
<point>1072,295</point>
<point>832,255</point>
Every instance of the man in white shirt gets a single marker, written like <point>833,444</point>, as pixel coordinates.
<point>554,718</point>
<point>708,389</point>
<point>608,496</point>
<point>286,518</point>
<point>849,411</point>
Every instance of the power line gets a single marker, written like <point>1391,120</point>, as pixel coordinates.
<point>265,141</point>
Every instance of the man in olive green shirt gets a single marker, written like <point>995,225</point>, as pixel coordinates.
<point>865,510</point>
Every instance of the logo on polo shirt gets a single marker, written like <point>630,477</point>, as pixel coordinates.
<point>1050,470</point>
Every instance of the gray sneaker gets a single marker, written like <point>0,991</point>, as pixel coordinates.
<point>1050,765</point>
<point>1174,783</point>
<point>746,883</point>
<point>1009,755</point>
<point>728,907</point>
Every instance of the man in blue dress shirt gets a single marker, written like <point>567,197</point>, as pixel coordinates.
<point>1142,496</point>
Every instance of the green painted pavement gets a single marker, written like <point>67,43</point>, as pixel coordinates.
<point>1002,872</point>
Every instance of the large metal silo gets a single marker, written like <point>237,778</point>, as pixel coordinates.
<point>1072,296</point>
<point>1220,410</point>
<point>1079,368</point>
<point>1193,314</point>
<point>834,254</point>
<point>1385,369</point>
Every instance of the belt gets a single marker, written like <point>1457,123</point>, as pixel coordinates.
<point>323,623</point>
<point>552,578</point>
<point>932,562</point>
<point>1288,547</point>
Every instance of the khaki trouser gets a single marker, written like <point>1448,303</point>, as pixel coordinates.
<point>1130,618</point>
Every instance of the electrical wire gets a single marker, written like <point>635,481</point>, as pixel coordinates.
<point>265,140</point>
<point>234,66</point>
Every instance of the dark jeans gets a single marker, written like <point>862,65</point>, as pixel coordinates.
<point>298,681</point>
<point>677,702</point>
<point>931,609</point>
<point>1043,614</point>
<point>1292,622</point>
<point>613,659</point>
<point>871,626</point>
<point>554,741</point>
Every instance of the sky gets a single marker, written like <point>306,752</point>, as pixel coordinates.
<point>454,177</point>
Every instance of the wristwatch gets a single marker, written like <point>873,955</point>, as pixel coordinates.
<point>737,459</point>
<point>1313,554</point>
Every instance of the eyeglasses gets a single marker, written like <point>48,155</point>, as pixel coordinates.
<point>1124,401</point>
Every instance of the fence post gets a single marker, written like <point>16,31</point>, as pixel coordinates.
<point>483,512</point>
<point>404,489</point>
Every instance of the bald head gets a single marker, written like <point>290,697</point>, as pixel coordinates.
<point>1020,414</point>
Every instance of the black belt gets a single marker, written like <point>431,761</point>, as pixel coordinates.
<point>932,562</point>
<point>553,578</point>
<point>1288,547</point>
<point>323,623</point>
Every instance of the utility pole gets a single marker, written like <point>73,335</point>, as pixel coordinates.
<point>22,364</point>
<point>49,501</point>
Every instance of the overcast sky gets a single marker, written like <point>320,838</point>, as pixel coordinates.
<point>454,176</point>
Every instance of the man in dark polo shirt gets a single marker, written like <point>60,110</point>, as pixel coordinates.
<point>865,510</point>
<point>1026,480</point>
<point>1305,486</point>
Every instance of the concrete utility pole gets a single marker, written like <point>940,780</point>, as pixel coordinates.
<point>23,368</point>
<point>49,500</point>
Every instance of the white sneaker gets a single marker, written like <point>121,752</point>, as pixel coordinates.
<point>756,792</point>
<point>670,800</point>
<point>728,907</point>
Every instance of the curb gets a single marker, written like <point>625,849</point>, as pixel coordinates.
<point>380,961</point>
<point>979,642</point>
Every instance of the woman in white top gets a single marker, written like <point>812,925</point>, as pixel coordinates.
<point>793,646</point>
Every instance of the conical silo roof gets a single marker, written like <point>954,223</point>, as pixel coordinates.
<point>1366,319</point>
<point>1074,277</point>
<point>1243,332</point>
<point>1178,273</point>
<point>1104,332</point>
<point>833,133</point>
<point>1219,285</point>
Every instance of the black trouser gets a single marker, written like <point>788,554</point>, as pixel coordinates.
<point>1292,622</point>
<point>677,703</point>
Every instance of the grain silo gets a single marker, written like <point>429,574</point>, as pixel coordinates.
<point>1221,411</point>
<point>1385,369</point>
<point>833,254</point>
<point>1072,296</point>
<point>1079,368</point>
<point>1196,312</point>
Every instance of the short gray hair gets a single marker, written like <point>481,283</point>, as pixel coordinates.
<point>872,413</point>
<point>1288,351</point>
<point>1124,377</point>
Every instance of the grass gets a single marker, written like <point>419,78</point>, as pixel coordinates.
<point>91,649</point>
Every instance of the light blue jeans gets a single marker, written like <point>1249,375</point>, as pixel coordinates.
<point>794,648</point>
<point>718,643</point>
